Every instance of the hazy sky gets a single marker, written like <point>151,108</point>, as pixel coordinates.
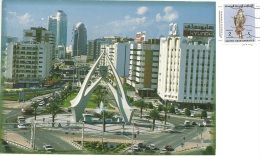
<point>110,18</point>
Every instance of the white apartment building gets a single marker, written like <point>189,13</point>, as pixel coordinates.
<point>27,63</point>
<point>143,68</point>
<point>119,54</point>
<point>187,69</point>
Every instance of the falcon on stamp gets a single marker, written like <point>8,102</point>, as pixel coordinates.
<point>239,21</point>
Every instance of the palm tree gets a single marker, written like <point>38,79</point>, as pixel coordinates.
<point>104,115</point>
<point>100,95</point>
<point>154,115</point>
<point>54,108</point>
<point>165,109</point>
<point>35,105</point>
<point>141,104</point>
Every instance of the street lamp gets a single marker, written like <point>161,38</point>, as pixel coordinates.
<point>82,142</point>
<point>133,133</point>
<point>201,135</point>
<point>103,129</point>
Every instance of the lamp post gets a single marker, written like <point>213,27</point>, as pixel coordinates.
<point>103,129</point>
<point>82,141</point>
<point>201,135</point>
<point>133,134</point>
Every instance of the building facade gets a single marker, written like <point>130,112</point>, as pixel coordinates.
<point>79,40</point>
<point>143,67</point>
<point>119,54</point>
<point>187,70</point>
<point>27,64</point>
<point>58,25</point>
<point>40,35</point>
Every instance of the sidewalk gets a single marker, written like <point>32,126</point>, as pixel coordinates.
<point>196,142</point>
<point>18,140</point>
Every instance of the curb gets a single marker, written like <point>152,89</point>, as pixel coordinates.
<point>19,145</point>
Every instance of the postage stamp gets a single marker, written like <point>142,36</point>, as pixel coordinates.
<point>239,23</point>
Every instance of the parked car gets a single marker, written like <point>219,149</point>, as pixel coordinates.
<point>152,146</point>
<point>168,148</point>
<point>48,147</point>
<point>163,151</point>
<point>193,123</point>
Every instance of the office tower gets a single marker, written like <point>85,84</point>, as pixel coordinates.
<point>58,25</point>
<point>79,40</point>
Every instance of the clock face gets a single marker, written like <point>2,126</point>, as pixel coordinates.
<point>103,70</point>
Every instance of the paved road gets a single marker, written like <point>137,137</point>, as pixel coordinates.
<point>48,137</point>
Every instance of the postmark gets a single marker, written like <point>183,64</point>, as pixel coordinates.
<point>239,23</point>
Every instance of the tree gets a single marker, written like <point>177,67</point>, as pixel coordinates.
<point>204,114</point>
<point>160,108</point>
<point>172,109</point>
<point>150,105</point>
<point>100,95</point>
<point>104,115</point>
<point>35,105</point>
<point>187,112</point>
<point>54,108</point>
<point>154,115</point>
<point>140,104</point>
<point>209,151</point>
<point>69,87</point>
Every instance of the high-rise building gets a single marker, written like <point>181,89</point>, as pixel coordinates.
<point>143,68</point>
<point>7,39</point>
<point>27,63</point>
<point>40,35</point>
<point>79,40</point>
<point>187,69</point>
<point>118,54</point>
<point>58,25</point>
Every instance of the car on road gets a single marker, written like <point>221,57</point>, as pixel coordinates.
<point>186,123</point>
<point>48,147</point>
<point>201,124</point>
<point>152,146</point>
<point>169,131</point>
<point>21,126</point>
<point>193,123</point>
<point>168,148</point>
<point>27,111</point>
<point>163,151</point>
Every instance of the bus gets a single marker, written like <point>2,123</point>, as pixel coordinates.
<point>21,119</point>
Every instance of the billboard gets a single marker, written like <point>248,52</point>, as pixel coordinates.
<point>198,29</point>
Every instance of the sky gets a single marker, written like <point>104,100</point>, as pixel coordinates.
<point>106,18</point>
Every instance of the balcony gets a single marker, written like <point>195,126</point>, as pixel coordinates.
<point>140,69</point>
<point>155,59</point>
<point>139,74</point>
<point>140,52</point>
<point>140,63</point>
<point>140,58</point>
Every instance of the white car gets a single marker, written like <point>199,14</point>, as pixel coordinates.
<point>152,146</point>
<point>21,126</point>
<point>48,148</point>
<point>163,151</point>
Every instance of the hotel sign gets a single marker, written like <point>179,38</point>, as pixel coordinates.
<point>199,30</point>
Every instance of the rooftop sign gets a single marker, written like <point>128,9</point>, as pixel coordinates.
<point>197,29</point>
